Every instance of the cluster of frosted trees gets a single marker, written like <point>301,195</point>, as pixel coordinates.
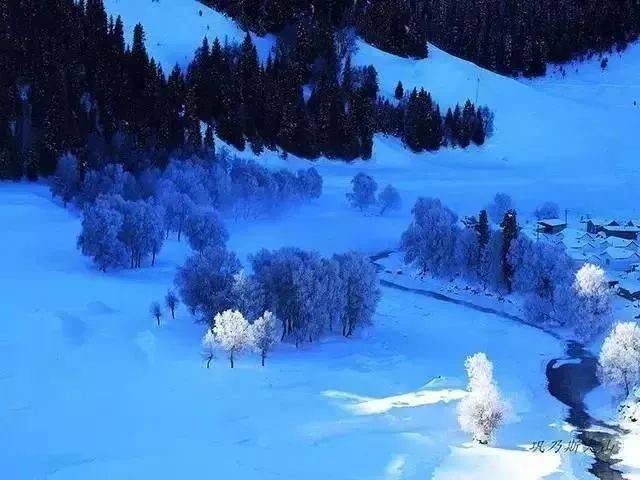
<point>117,232</point>
<point>233,333</point>
<point>309,295</point>
<point>482,409</point>
<point>506,260</point>
<point>363,195</point>
<point>125,216</point>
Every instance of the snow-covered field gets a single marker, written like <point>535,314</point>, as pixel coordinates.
<point>91,388</point>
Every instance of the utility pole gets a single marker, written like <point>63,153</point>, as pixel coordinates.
<point>477,89</point>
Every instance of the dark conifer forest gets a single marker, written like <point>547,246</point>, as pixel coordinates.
<point>506,36</point>
<point>75,85</point>
<point>69,82</point>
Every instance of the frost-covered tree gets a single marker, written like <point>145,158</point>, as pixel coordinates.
<point>309,183</point>
<point>204,228</point>
<point>500,205</point>
<point>592,306</point>
<point>66,179</point>
<point>389,199</point>
<point>148,182</point>
<point>290,279</point>
<point>547,210</point>
<point>231,331</point>
<point>156,311</point>
<point>205,281</point>
<point>152,233</point>
<point>186,177</point>
<point>363,194</point>
<point>360,283</point>
<point>142,229</point>
<point>543,272</point>
<point>310,294</point>
<point>467,254</point>
<point>208,346</point>
<point>335,301</point>
<point>171,301</point>
<point>489,267</point>
<point>264,334</point>
<point>176,206</point>
<point>482,410</point>
<point>110,180</point>
<point>620,357</point>
<point>99,237</point>
<point>247,296</point>
<point>430,239</point>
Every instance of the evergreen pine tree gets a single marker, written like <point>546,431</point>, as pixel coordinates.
<point>509,233</point>
<point>399,93</point>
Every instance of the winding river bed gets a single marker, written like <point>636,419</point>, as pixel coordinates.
<point>569,380</point>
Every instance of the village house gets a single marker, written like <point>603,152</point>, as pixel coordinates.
<point>622,243</point>
<point>613,228</point>
<point>595,225</point>
<point>619,258</point>
<point>551,225</point>
<point>626,232</point>
<point>629,288</point>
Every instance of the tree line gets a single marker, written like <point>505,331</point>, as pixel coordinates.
<point>512,37</point>
<point>127,218</point>
<point>310,295</point>
<point>70,83</point>
<point>505,260</point>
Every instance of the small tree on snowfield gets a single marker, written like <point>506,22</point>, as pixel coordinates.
<point>264,335</point>
<point>389,199</point>
<point>171,301</point>
<point>209,346</point>
<point>363,194</point>
<point>482,410</point>
<point>231,331</point>
<point>156,311</point>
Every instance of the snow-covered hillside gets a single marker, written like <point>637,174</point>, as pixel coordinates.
<point>550,142</point>
<point>175,28</point>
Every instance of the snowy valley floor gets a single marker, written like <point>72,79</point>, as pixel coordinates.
<point>93,389</point>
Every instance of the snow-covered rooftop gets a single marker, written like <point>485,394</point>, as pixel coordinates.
<point>552,222</point>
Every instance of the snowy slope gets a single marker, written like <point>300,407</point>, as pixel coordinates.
<point>94,390</point>
<point>175,28</point>
<point>569,148</point>
<point>616,85</point>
